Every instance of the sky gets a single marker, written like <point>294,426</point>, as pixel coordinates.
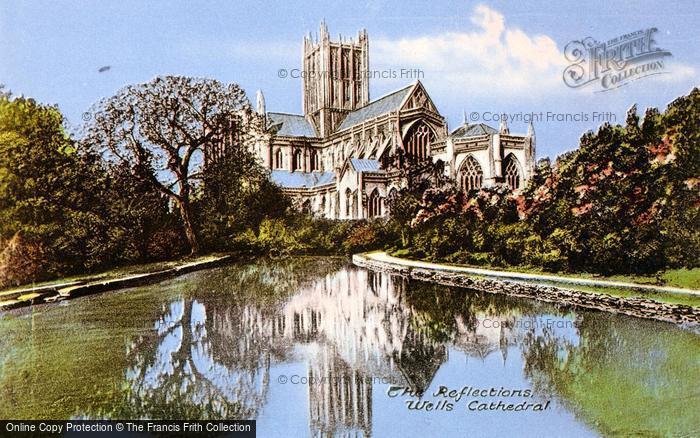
<point>482,58</point>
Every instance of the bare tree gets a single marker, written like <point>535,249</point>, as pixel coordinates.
<point>162,127</point>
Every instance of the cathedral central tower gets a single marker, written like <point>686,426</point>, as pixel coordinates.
<point>335,79</point>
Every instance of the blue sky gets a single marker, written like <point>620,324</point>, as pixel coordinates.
<point>483,57</point>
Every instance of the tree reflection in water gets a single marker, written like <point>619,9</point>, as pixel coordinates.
<point>624,376</point>
<point>186,369</point>
<point>211,351</point>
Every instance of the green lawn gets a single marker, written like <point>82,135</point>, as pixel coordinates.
<point>122,271</point>
<point>664,297</point>
<point>683,278</point>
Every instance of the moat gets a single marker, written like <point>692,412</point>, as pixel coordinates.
<point>316,346</point>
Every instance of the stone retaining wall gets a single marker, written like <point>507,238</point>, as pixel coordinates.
<point>639,307</point>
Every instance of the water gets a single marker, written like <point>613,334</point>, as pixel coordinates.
<point>314,346</point>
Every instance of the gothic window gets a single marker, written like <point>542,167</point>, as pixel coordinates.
<point>306,206</point>
<point>312,84</point>
<point>358,76</point>
<point>385,159</point>
<point>345,69</point>
<point>511,172</point>
<point>375,204</point>
<point>297,163</point>
<point>393,196</point>
<point>315,165</point>
<point>418,141</point>
<point>333,90</point>
<point>348,203</point>
<point>471,176</point>
<point>417,99</point>
<point>336,206</point>
<point>279,163</point>
<point>322,210</point>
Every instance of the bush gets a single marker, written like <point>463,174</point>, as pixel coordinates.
<point>166,244</point>
<point>543,253</point>
<point>361,238</point>
<point>21,261</point>
<point>508,243</point>
<point>237,195</point>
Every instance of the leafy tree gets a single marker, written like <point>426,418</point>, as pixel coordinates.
<point>141,226</point>
<point>62,208</point>
<point>403,207</point>
<point>237,194</point>
<point>35,156</point>
<point>626,200</point>
<point>679,154</point>
<point>162,129</point>
<point>45,184</point>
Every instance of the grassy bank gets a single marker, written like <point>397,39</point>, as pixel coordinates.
<point>682,278</point>
<point>662,297</point>
<point>111,274</point>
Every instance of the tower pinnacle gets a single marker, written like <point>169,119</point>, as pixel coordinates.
<point>260,102</point>
<point>503,128</point>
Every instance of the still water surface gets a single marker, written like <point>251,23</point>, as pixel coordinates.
<point>315,346</point>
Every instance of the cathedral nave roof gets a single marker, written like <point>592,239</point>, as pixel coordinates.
<point>291,125</point>
<point>383,105</point>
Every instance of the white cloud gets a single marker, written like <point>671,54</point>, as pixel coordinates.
<point>490,60</point>
<point>679,72</point>
<point>493,58</point>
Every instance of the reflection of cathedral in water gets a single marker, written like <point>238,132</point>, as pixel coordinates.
<point>356,329</point>
<point>365,332</point>
<point>340,398</point>
<point>361,333</point>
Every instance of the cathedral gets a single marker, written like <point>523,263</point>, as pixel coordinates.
<point>347,155</point>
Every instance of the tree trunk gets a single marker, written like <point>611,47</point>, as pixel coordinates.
<point>189,229</point>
